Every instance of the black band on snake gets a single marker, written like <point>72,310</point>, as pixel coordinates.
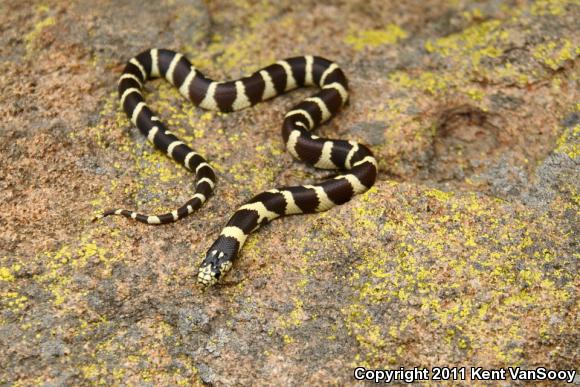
<point>285,75</point>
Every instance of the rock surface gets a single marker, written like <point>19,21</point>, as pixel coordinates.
<point>464,253</point>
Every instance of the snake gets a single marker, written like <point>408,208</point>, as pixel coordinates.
<point>356,162</point>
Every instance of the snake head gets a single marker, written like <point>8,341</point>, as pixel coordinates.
<point>215,264</point>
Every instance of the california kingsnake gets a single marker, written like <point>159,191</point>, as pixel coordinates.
<point>269,82</point>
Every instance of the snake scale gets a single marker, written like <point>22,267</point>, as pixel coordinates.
<point>356,160</point>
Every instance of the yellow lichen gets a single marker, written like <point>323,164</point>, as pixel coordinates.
<point>475,94</point>
<point>6,275</point>
<point>31,37</point>
<point>13,301</point>
<point>474,14</point>
<point>361,39</point>
<point>509,73</point>
<point>555,53</point>
<point>439,195</point>
<point>258,13</point>
<point>400,274</point>
<point>476,42</point>
<point>61,263</point>
<point>569,143</point>
<point>287,339</point>
<point>426,81</point>
<point>551,7</point>
<point>240,53</point>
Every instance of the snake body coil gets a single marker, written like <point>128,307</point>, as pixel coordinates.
<point>285,75</point>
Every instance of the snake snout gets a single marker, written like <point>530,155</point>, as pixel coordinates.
<point>215,264</point>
